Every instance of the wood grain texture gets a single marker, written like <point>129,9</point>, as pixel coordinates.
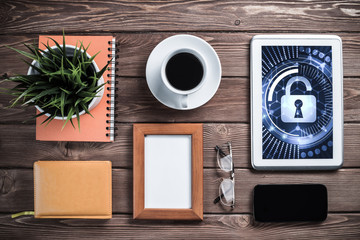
<point>343,189</point>
<point>138,171</point>
<point>139,26</point>
<point>13,154</point>
<point>112,16</point>
<point>134,49</point>
<point>236,226</point>
<point>135,103</point>
<point>233,50</point>
<point>17,149</point>
<point>231,103</point>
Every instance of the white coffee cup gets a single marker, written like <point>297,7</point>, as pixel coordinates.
<point>183,99</point>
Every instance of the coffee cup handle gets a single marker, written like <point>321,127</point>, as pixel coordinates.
<point>184,101</point>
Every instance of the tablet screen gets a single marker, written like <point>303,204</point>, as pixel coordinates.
<point>297,102</point>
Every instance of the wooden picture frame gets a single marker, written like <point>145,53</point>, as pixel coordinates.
<point>195,211</point>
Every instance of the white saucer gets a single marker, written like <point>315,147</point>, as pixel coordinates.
<point>157,86</point>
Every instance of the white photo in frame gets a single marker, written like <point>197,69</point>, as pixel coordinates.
<point>168,171</point>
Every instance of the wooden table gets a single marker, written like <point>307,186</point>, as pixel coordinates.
<point>139,26</point>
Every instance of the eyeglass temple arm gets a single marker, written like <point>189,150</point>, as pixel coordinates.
<point>230,148</point>
<point>232,162</point>
<point>216,200</point>
<point>217,148</point>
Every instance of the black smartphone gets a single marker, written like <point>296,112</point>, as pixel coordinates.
<point>290,202</point>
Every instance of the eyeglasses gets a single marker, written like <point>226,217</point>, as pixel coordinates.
<point>227,185</point>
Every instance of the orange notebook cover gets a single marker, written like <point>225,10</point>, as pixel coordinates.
<point>72,189</point>
<point>101,127</point>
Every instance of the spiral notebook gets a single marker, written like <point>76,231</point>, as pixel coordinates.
<point>100,127</point>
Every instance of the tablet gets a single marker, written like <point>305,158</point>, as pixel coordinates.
<point>296,102</point>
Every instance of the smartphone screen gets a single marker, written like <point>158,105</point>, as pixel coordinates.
<point>292,202</point>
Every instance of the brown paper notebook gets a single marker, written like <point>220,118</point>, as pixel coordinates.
<point>72,189</point>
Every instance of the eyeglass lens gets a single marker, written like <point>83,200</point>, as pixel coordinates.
<point>227,191</point>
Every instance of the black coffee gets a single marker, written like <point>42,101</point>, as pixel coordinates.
<point>184,71</point>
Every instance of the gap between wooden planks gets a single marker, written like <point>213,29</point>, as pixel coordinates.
<point>343,188</point>
<point>133,50</point>
<point>231,103</point>
<point>18,147</point>
<point>234,226</point>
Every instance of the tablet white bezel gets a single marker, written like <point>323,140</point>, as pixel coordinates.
<point>256,101</point>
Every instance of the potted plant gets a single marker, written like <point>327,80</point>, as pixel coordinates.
<point>63,82</point>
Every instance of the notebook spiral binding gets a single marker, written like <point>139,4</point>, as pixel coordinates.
<point>110,129</point>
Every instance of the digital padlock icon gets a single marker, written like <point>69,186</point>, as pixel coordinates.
<point>298,108</point>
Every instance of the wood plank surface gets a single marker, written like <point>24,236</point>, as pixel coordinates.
<point>233,50</point>
<point>234,226</point>
<point>138,27</point>
<point>135,103</point>
<point>142,106</point>
<point>134,49</point>
<point>110,16</point>
<point>18,147</point>
<point>343,188</point>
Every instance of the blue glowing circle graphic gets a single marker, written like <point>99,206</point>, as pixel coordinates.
<point>307,71</point>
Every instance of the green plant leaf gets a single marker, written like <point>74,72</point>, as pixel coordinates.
<point>47,119</point>
<point>62,71</point>
<point>23,94</point>
<point>98,87</point>
<point>32,49</point>
<point>92,58</point>
<point>78,101</point>
<point>101,72</point>
<point>85,50</point>
<point>63,85</point>
<point>51,118</point>
<point>72,123</point>
<point>51,52</point>
<point>80,89</point>
<point>66,91</point>
<point>86,109</point>
<point>78,117</point>
<point>76,53</point>
<point>85,94</point>
<point>87,99</point>
<point>26,54</point>
<point>64,45</point>
<point>54,103</point>
<point>46,92</point>
<point>58,46</point>
<point>71,112</point>
<point>62,103</point>
<point>39,115</point>
<point>38,69</point>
